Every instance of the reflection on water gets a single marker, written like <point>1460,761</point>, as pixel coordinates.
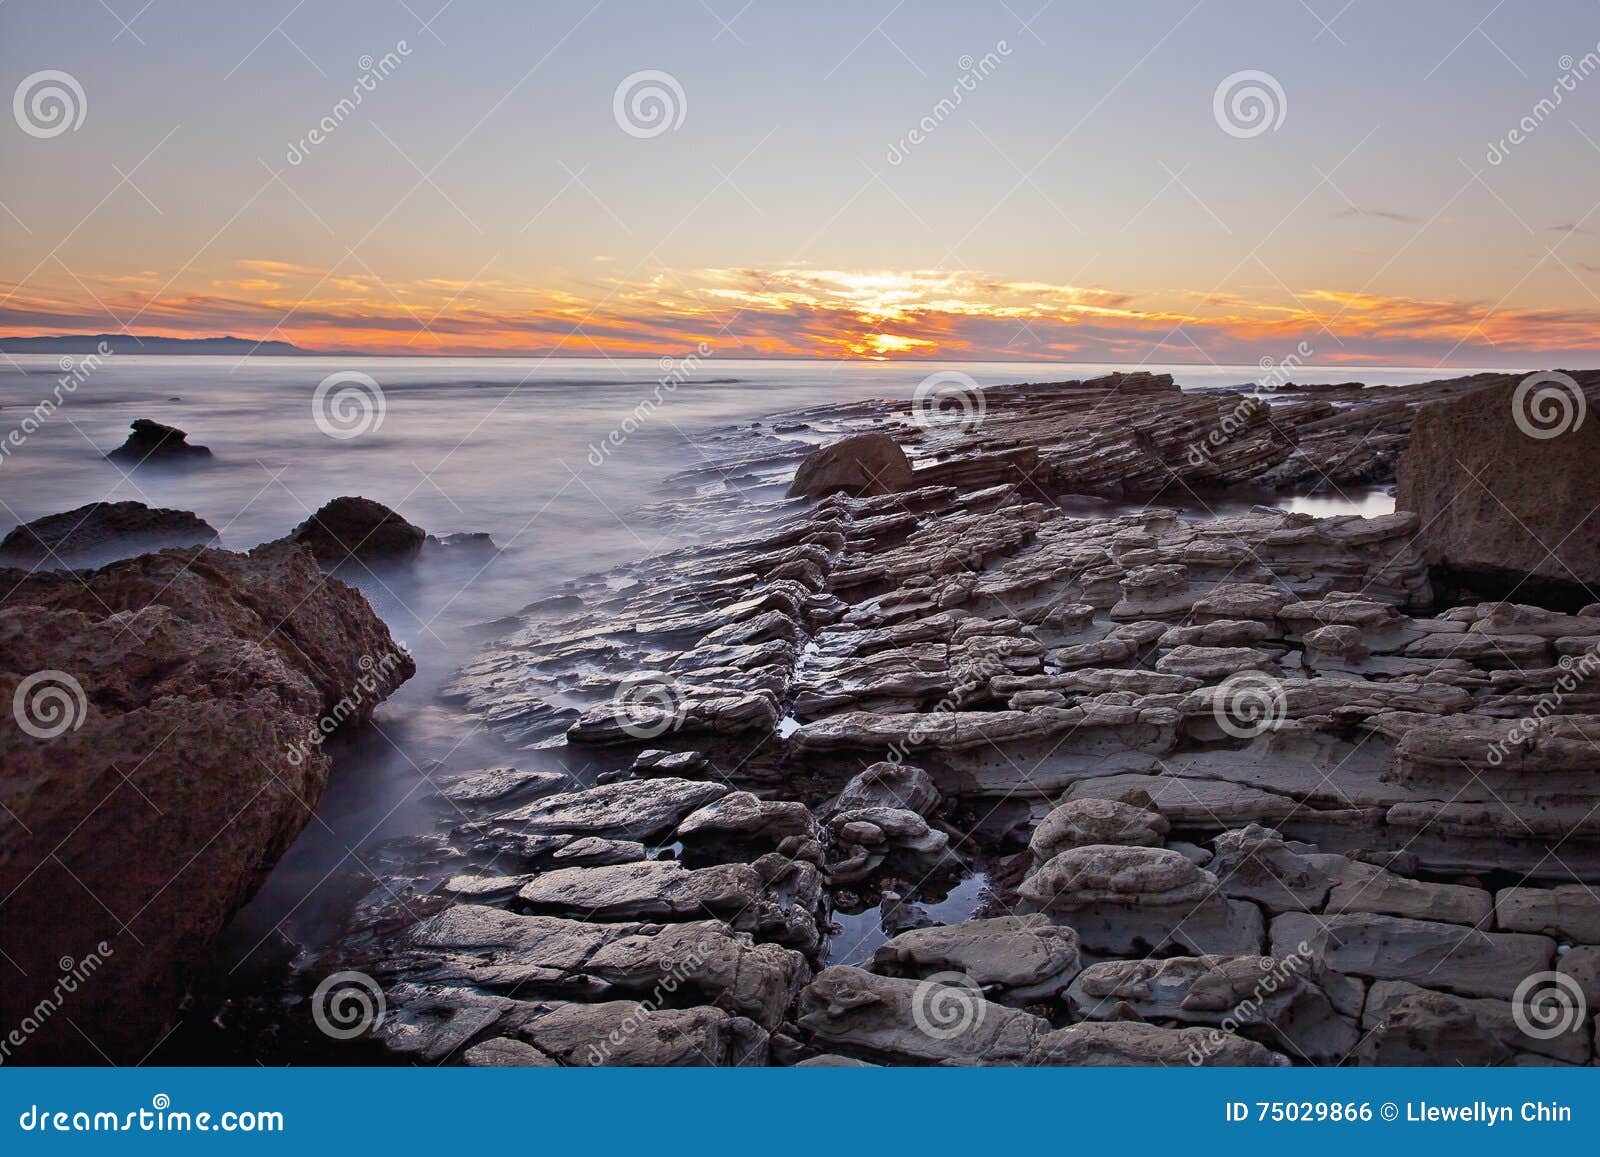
<point>1367,503</point>
<point>861,934</point>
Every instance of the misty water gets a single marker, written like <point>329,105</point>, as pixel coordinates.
<point>515,448</point>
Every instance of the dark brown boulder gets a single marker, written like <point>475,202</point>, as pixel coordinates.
<point>128,527</point>
<point>861,465</point>
<point>152,441</point>
<point>1505,486</point>
<point>357,528</point>
<point>161,747</point>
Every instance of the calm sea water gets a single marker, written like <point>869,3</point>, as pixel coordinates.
<point>500,446</point>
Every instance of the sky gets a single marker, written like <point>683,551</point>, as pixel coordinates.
<point>1418,184</point>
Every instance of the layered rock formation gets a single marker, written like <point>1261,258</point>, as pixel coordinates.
<point>948,775</point>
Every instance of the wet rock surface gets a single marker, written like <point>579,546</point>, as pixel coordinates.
<point>944,773</point>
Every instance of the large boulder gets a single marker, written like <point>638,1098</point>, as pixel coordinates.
<point>357,528</point>
<point>861,465</point>
<point>1501,508</point>
<point>103,527</point>
<point>161,747</point>
<point>153,442</point>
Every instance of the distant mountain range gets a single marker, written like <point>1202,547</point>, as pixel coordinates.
<point>123,343</point>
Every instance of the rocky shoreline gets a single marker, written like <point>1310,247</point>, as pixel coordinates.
<point>997,744</point>
<point>1244,789</point>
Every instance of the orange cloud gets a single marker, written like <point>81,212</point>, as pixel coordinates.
<point>805,312</point>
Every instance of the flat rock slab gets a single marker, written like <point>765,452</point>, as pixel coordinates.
<point>1447,956</point>
<point>630,810</point>
<point>1215,926</point>
<point>630,1032</point>
<point>1016,959</point>
<point>654,890</point>
<point>1364,888</point>
<point>741,817</point>
<point>1493,1018</point>
<point>1288,1004</point>
<point>1568,911</point>
<point>545,956</point>
<point>503,1052</point>
<point>915,1022</point>
<point>592,851</point>
<point>1213,662</point>
<point>1122,1044</point>
<point>1082,822</point>
<point>498,783</point>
